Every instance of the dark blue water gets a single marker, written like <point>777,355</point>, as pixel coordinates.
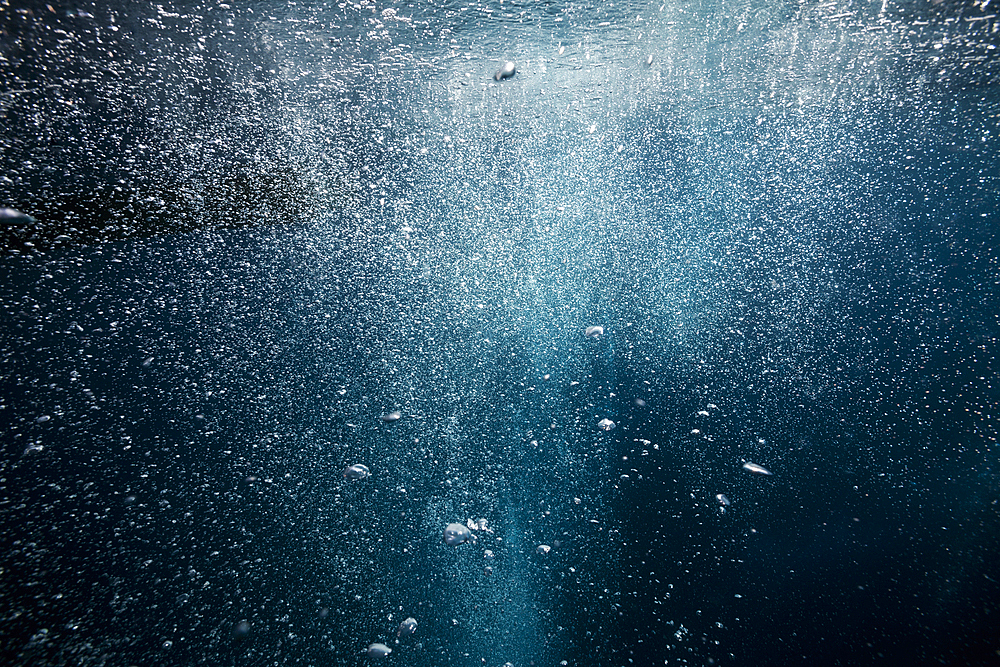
<point>260,230</point>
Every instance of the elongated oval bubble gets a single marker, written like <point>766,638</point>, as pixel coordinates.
<point>357,471</point>
<point>11,216</point>
<point>378,650</point>
<point>756,469</point>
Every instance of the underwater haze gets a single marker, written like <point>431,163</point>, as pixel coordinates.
<point>499,333</point>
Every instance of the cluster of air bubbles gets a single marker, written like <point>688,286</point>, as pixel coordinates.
<point>723,502</point>
<point>480,525</point>
<point>378,650</point>
<point>627,249</point>
<point>457,533</point>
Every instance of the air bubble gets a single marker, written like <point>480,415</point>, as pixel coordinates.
<point>378,651</point>
<point>357,471</point>
<point>506,71</point>
<point>756,469</point>
<point>11,216</point>
<point>455,534</point>
<point>407,627</point>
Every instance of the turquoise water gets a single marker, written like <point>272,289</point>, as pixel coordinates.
<point>262,229</point>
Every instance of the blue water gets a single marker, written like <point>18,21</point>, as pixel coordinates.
<point>260,229</point>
